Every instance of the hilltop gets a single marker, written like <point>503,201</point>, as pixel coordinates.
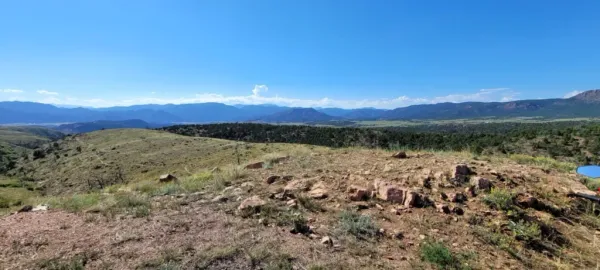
<point>291,206</point>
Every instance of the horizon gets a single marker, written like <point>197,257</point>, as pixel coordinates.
<point>328,54</point>
<point>72,106</point>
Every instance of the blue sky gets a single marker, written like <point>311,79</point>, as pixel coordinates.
<point>344,53</point>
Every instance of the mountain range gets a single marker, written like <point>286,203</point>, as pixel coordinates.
<point>586,104</point>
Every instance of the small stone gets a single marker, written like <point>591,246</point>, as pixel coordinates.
<point>313,236</point>
<point>220,198</point>
<point>167,178</point>
<point>400,155</point>
<point>296,186</point>
<point>378,206</point>
<point>327,241</point>
<point>252,203</point>
<point>382,231</point>
<point>443,196</point>
<point>422,237</point>
<point>292,203</point>
<point>455,244</point>
<point>271,179</point>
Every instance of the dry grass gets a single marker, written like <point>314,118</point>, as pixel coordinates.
<point>544,162</point>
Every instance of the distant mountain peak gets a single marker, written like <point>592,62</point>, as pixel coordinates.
<point>589,96</point>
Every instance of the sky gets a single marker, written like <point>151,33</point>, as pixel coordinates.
<point>309,53</point>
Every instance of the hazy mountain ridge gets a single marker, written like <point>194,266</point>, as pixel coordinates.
<point>582,105</point>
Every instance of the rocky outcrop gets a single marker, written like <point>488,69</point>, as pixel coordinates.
<point>394,194</point>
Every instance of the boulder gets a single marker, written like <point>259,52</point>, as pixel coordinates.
<point>271,179</point>
<point>481,184</point>
<point>318,191</point>
<point>391,193</point>
<point>461,172</point>
<point>358,193</point>
<point>167,178</point>
<point>400,155</point>
<point>253,202</point>
<point>257,165</point>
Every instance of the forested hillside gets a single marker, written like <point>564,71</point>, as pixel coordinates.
<point>573,141</point>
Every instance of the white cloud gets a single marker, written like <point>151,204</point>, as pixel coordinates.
<point>11,91</point>
<point>572,94</point>
<point>257,97</point>
<point>46,92</point>
<point>259,88</point>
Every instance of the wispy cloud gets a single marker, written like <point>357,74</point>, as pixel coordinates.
<point>572,94</point>
<point>257,96</point>
<point>46,92</point>
<point>14,91</point>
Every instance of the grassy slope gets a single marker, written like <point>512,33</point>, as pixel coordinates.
<point>140,154</point>
<point>21,137</point>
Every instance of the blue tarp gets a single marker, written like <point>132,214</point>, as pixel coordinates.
<point>592,171</point>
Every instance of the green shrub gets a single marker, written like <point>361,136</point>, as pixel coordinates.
<point>79,202</point>
<point>438,254</point>
<point>525,231</point>
<point>358,225</point>
<point>442,257</point>
<point>500,199</point>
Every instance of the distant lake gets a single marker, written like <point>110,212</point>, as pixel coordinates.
<point>592,171</point>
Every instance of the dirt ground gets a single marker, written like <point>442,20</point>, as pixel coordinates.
<point>194,231</point>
